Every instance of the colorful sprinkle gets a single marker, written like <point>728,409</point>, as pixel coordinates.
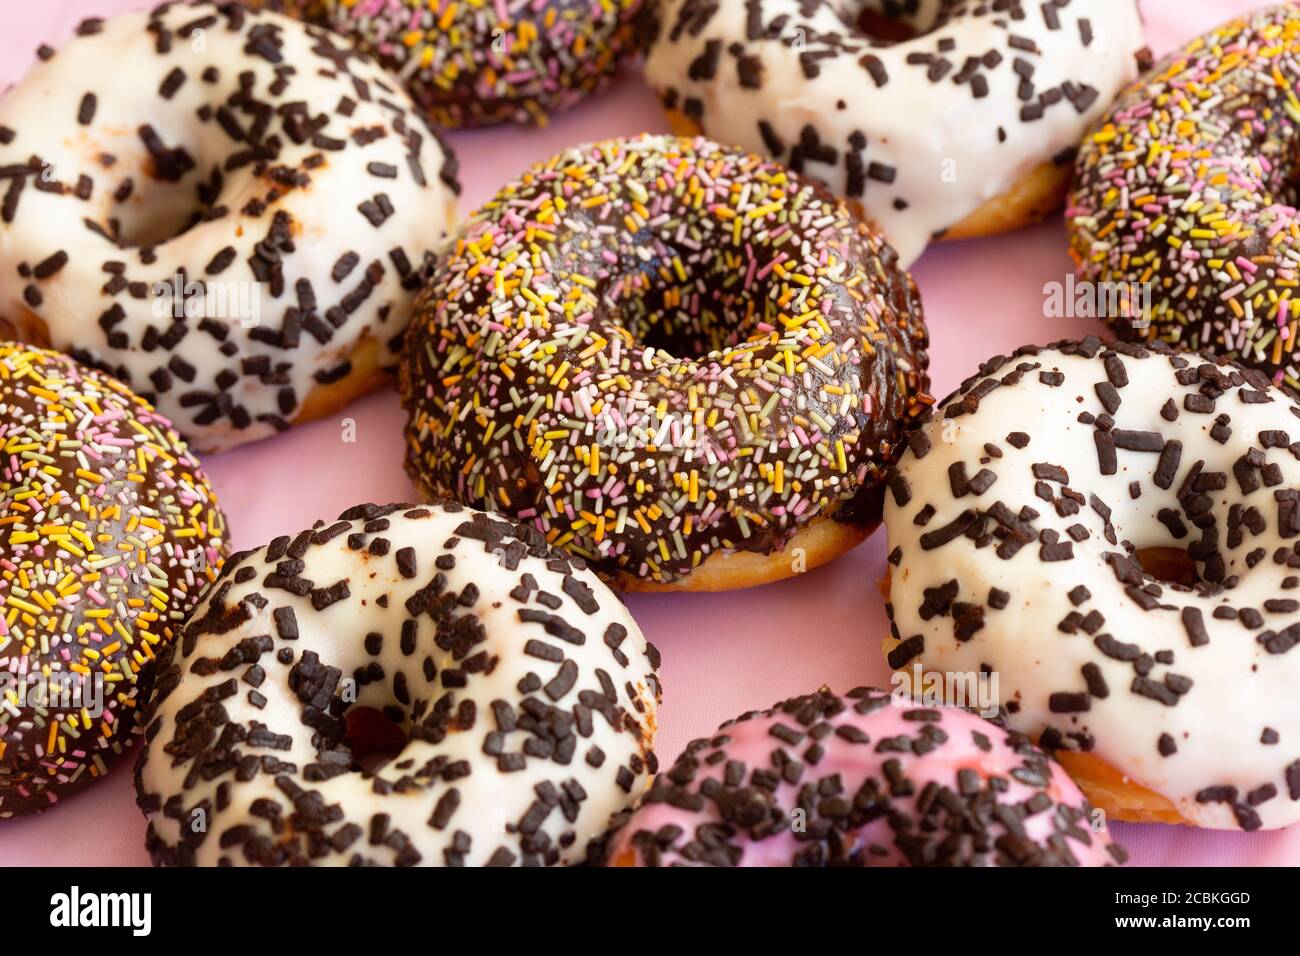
<point>657,348</point>
<point>1186,186</point>
<point>108,533</point>
<point>476,63</point>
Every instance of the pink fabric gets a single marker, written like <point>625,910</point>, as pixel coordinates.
<point>723,654</point>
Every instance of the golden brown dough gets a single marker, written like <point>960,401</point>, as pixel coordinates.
<point>821,542</point>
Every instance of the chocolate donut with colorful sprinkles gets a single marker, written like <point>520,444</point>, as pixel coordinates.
<point>479,64</point>
<point>1184,200</point>
<point>681,361</point>
<point>109,533</point>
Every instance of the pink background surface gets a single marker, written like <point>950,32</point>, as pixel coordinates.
<point>723,654</point>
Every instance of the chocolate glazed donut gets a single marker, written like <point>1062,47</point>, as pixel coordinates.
<point>480,64</point>
<point>1185,197</point>
<point>676,359</point>
<point>111,532</point>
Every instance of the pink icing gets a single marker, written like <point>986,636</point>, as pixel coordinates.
<point>692,817</point>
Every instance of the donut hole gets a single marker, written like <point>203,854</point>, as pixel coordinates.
<point>883,28</point>
<point>159,212</point>
<point>373,737</point>
<point>686,336</point>
<point>1168,565</point>
<point>1287,192</point>
<point>888,22</point>
<point>657,314</point>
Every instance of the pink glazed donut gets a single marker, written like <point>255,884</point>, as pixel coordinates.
<point>830,780</point>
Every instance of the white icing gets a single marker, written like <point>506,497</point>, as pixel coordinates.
<point>941,141</point>
<point>1239,686</point>
<point>123,69</point>
<point>492,802</point>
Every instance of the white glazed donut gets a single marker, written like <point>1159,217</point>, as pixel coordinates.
<point>1017,519</point>
<point>922,132</point>
<point>524,688</point>
<point>284,178</point>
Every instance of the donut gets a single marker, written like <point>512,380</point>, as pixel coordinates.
<point>1181,206</point>
<point>479,64</point>
<point>516,693</point>
<point>970,111</point>
<point>232,220</point>
<point>1020,519</point>
<point>680,361</point>
<point>109,531</point>
<point>860,780</point>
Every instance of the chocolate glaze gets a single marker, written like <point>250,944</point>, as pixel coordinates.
<point>681,285</point>
<point>1206,143</point>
